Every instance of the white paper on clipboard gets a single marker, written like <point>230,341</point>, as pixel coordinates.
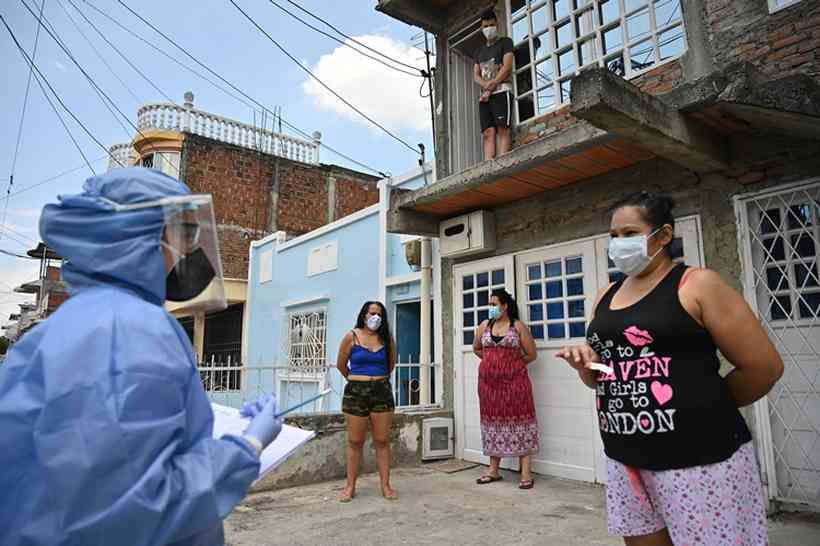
<point>228,421</point>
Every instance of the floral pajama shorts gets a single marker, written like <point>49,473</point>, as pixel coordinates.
<point>710,505</point>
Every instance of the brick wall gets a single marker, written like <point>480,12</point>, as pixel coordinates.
<point>782,43</point>
<point>242,183</point>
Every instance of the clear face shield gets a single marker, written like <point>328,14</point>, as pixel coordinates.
<point>190,247</point>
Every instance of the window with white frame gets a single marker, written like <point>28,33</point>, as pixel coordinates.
<point>555,299</point>
<point>476,290</point>
<point>555,39</point>
<point>305,346</point>
<point>167,162</point>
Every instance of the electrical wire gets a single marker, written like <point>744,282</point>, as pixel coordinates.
<point>19,234</point>
<point>94,84</point>
<point>418,74</point>
<point>319,81</point>
<point>52,32</point>
<point>22,117</point>
<point>128,61</point>
<point>99,55</point>
<point>355,41</point>
<point>40,78</point>
<point>51,179</point>
<point>226,82</point>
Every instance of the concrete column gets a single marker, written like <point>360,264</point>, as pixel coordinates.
<point>426,283</point>
<point>199,335</point>
<point>331,198</point>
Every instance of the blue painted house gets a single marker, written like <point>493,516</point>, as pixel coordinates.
<point>304,294</point>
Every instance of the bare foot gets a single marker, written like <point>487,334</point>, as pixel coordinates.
<point>389,494</point>
<point>347,494</point>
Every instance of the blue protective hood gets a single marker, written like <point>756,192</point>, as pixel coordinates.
<point>106,247</point>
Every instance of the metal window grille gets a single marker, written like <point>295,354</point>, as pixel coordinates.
<point>781,233</point>
<point>555,39</point>
<point>305,347</point>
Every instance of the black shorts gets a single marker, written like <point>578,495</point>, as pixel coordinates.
<point>496,112</point>
<point>361,398</point>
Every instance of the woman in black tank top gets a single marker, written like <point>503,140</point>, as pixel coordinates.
<point>663,409</point>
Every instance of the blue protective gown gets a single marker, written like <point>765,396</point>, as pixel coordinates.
<point>105,429</point>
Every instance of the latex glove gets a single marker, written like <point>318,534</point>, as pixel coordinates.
<point>252,409</point>
<point>264,427</point>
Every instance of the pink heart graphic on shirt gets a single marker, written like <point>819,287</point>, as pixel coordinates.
<point>645,422</point>
<point>661,392</point>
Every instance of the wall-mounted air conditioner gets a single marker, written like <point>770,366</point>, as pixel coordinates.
<point>469,234</point>
<point>437,438</point>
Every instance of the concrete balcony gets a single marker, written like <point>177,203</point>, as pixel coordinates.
<point>617,125</point>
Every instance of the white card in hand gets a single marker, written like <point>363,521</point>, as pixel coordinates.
<point>601,368</point>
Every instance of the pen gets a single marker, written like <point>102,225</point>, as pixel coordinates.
<point>299,405</point>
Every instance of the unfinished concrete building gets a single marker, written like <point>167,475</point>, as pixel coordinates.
<point>715,102</point>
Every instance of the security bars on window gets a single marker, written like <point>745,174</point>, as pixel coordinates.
<point>304,343</point>
<point>565,36</point>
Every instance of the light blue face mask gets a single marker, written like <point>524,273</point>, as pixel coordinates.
<point>494,313</point>
<point>630,254</point>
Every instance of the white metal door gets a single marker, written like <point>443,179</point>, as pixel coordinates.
<point>472,285</point>
<point>557,288</point>
<point>780,240</point>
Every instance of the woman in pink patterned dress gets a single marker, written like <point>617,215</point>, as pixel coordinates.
<point>508,424</point>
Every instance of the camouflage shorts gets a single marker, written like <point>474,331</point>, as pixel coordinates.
<point>361,398</point>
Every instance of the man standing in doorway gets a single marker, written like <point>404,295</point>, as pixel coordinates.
<point>493,67</point>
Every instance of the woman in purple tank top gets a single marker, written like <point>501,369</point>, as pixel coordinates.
<point>681,466</point>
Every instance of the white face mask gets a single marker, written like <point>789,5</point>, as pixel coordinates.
<point>490,32</point>
<point>630,254</point>
<point>373,322</point>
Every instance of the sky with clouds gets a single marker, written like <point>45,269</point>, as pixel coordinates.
<point>215,32</point>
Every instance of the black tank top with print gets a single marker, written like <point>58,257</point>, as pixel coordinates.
<point>665,406</point>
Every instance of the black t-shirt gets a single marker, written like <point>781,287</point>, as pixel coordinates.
<point>491,58</point>
<point>665,406</point>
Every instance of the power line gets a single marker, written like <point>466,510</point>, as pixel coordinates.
<point>418,74</point>
<point>231,85</point>
<point>52,32</point>
<point>320,82</point>
<point>40,78</point>
<point>120,53</point>
<point>22,116</point>
<point>52,178</point>
<point>354,40</point>
<point>94,84</point>
<point>97,52</point>
<point>19,234</point>
<point>14,255</point>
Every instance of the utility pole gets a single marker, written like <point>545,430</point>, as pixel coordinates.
<point>429,76</point>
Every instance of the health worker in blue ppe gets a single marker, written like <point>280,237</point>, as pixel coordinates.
<point>105,429</point>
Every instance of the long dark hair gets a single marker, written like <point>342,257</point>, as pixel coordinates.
<point>384,329</point>
<point>504,298</point>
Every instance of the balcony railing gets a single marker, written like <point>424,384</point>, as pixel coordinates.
<point>121,155</point>
<point>172,117</point>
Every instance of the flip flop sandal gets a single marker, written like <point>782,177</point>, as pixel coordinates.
<point>488,479</point>
<point>346,497</point>
<point>391,497</point>
<point>526,484</point>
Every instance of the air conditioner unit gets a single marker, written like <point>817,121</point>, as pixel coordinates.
<point>437,438</point>
<point>469,234</point>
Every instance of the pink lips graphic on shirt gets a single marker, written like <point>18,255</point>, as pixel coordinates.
<point>638,337</point>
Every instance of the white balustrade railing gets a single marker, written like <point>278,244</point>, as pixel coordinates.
<point>172,117</point>
<point>121,155</point>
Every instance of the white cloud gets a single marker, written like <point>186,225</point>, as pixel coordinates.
<point>61,67</point>
<point>387,96</point>
<point>24,212</point>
